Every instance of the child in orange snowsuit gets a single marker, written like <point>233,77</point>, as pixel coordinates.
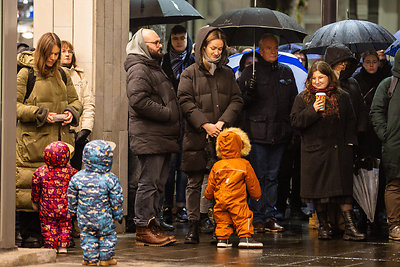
<point>228,183</point>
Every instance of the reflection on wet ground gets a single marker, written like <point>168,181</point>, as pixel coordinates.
<point>297,246</point>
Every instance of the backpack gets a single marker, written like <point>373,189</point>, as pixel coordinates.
<point>32,79</point>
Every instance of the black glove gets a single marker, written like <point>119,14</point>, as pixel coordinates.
<point>251,86</point>
<point>82,135</point>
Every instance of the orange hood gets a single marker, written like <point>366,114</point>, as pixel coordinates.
<point>232,143</point>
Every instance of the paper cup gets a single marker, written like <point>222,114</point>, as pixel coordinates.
<point>321,96</point>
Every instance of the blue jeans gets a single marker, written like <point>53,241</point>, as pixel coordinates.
<point>266,160</point>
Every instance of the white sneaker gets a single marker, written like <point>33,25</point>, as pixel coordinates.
<point>224,243</point>
<point>249,242</point>
<point>62,250</point>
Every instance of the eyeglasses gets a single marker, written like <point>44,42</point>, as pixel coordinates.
<point>156,43</point>
<point>67,51</point>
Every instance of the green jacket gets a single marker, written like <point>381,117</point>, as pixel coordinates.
<point>385,116</point>
<point>33,133</point>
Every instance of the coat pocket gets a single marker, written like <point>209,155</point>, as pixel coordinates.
<point>257,127</point>
<point>32,145</point>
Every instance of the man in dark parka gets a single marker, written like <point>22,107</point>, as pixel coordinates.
<point>385,118</point>
<point>154,123</point>
<point>268,101</point>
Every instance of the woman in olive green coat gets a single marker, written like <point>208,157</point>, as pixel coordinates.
<point>44,116</point>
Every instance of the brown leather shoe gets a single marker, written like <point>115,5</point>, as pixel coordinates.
<point>146,237</point>
<point>272,226</point>
<point>259,227</point>
<point>158,232</point>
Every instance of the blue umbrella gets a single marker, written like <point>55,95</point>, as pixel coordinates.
<point>299,72</point>
<point>392,49</point>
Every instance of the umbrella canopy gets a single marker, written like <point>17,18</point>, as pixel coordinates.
<point>299,72</point>
<point>392,49</point>
<point>151,12</point>
<point>358,35</point>
<point>245,26</point>
<point>365,190</point>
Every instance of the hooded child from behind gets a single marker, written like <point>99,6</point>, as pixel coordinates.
<point>49,195</point>
<point>229,182</point>
<point>95,197</point>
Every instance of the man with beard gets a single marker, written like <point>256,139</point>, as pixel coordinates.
<point>154,128</point>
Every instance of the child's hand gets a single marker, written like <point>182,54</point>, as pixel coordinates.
<point>35,206</point>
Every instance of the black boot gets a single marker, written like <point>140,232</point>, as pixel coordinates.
<point>192,237</point>
<point>324,229</point>
<point>164,225</point>
<point>351,232</point>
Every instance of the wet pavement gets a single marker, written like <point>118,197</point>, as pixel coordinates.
<point>297,246</point>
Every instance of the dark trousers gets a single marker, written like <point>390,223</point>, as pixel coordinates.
<point>176,177</point>
<point>133,178</point>
<point>392,200</point>
<point>153,176</point>
<point>289,180</point>
<point>266,160</point>
<point>76,160</point>
<point>193,194</point>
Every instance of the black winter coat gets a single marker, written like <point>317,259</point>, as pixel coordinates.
<point>266,113</point>
<point>326,156</point>
<point>369,143</point>
<point>154,114</point>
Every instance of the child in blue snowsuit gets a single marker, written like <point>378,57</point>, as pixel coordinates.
<point>95,197</point>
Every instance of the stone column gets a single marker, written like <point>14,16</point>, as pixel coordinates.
<point>99,31</point>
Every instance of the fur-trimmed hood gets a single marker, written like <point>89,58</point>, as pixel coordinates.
<point>233,143</point>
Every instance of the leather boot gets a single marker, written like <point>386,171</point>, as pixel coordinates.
<point>158,232</point>
<point>350,231</point>
<point>146,237</point>
<point>324,229</point>
<point>192,237</point>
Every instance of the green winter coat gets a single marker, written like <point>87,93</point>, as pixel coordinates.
<point>385,117</point>
<point>33,133</point>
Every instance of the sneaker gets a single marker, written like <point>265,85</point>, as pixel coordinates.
<point>249,242</point>
<point>62,250</point>
<point>181,215</point>
<point>167,215</point>
<point>108,262</point>
<point>224,243</point>
<point>394,234</point>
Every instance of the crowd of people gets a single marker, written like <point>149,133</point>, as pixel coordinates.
<point>225,146</point>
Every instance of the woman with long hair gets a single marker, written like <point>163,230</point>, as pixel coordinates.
<point>210,100</point>
<point>328,135</point>
<point>45,113</point>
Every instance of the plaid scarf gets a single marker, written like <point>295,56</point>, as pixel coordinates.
<point>331,101</point>
<point>177,60</point>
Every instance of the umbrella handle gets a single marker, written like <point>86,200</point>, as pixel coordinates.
<point>254,51</point>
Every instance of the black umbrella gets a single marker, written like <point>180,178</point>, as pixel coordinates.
<point>358,35</point>
<point>245,26</point>
<point>151,12</point>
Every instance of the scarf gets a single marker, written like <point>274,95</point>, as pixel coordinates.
<point>331,100</point>
<point>177,62</point>
<point>213,63</point>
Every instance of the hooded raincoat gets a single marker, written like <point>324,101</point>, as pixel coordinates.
<point>229,182</point>
<point>334,54</point>
<point>386,121</point>
<point>95,197</point>
<point>154,114</point>
<point>33,133</point>
<point>206,98</point>
<point>49,190</point>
